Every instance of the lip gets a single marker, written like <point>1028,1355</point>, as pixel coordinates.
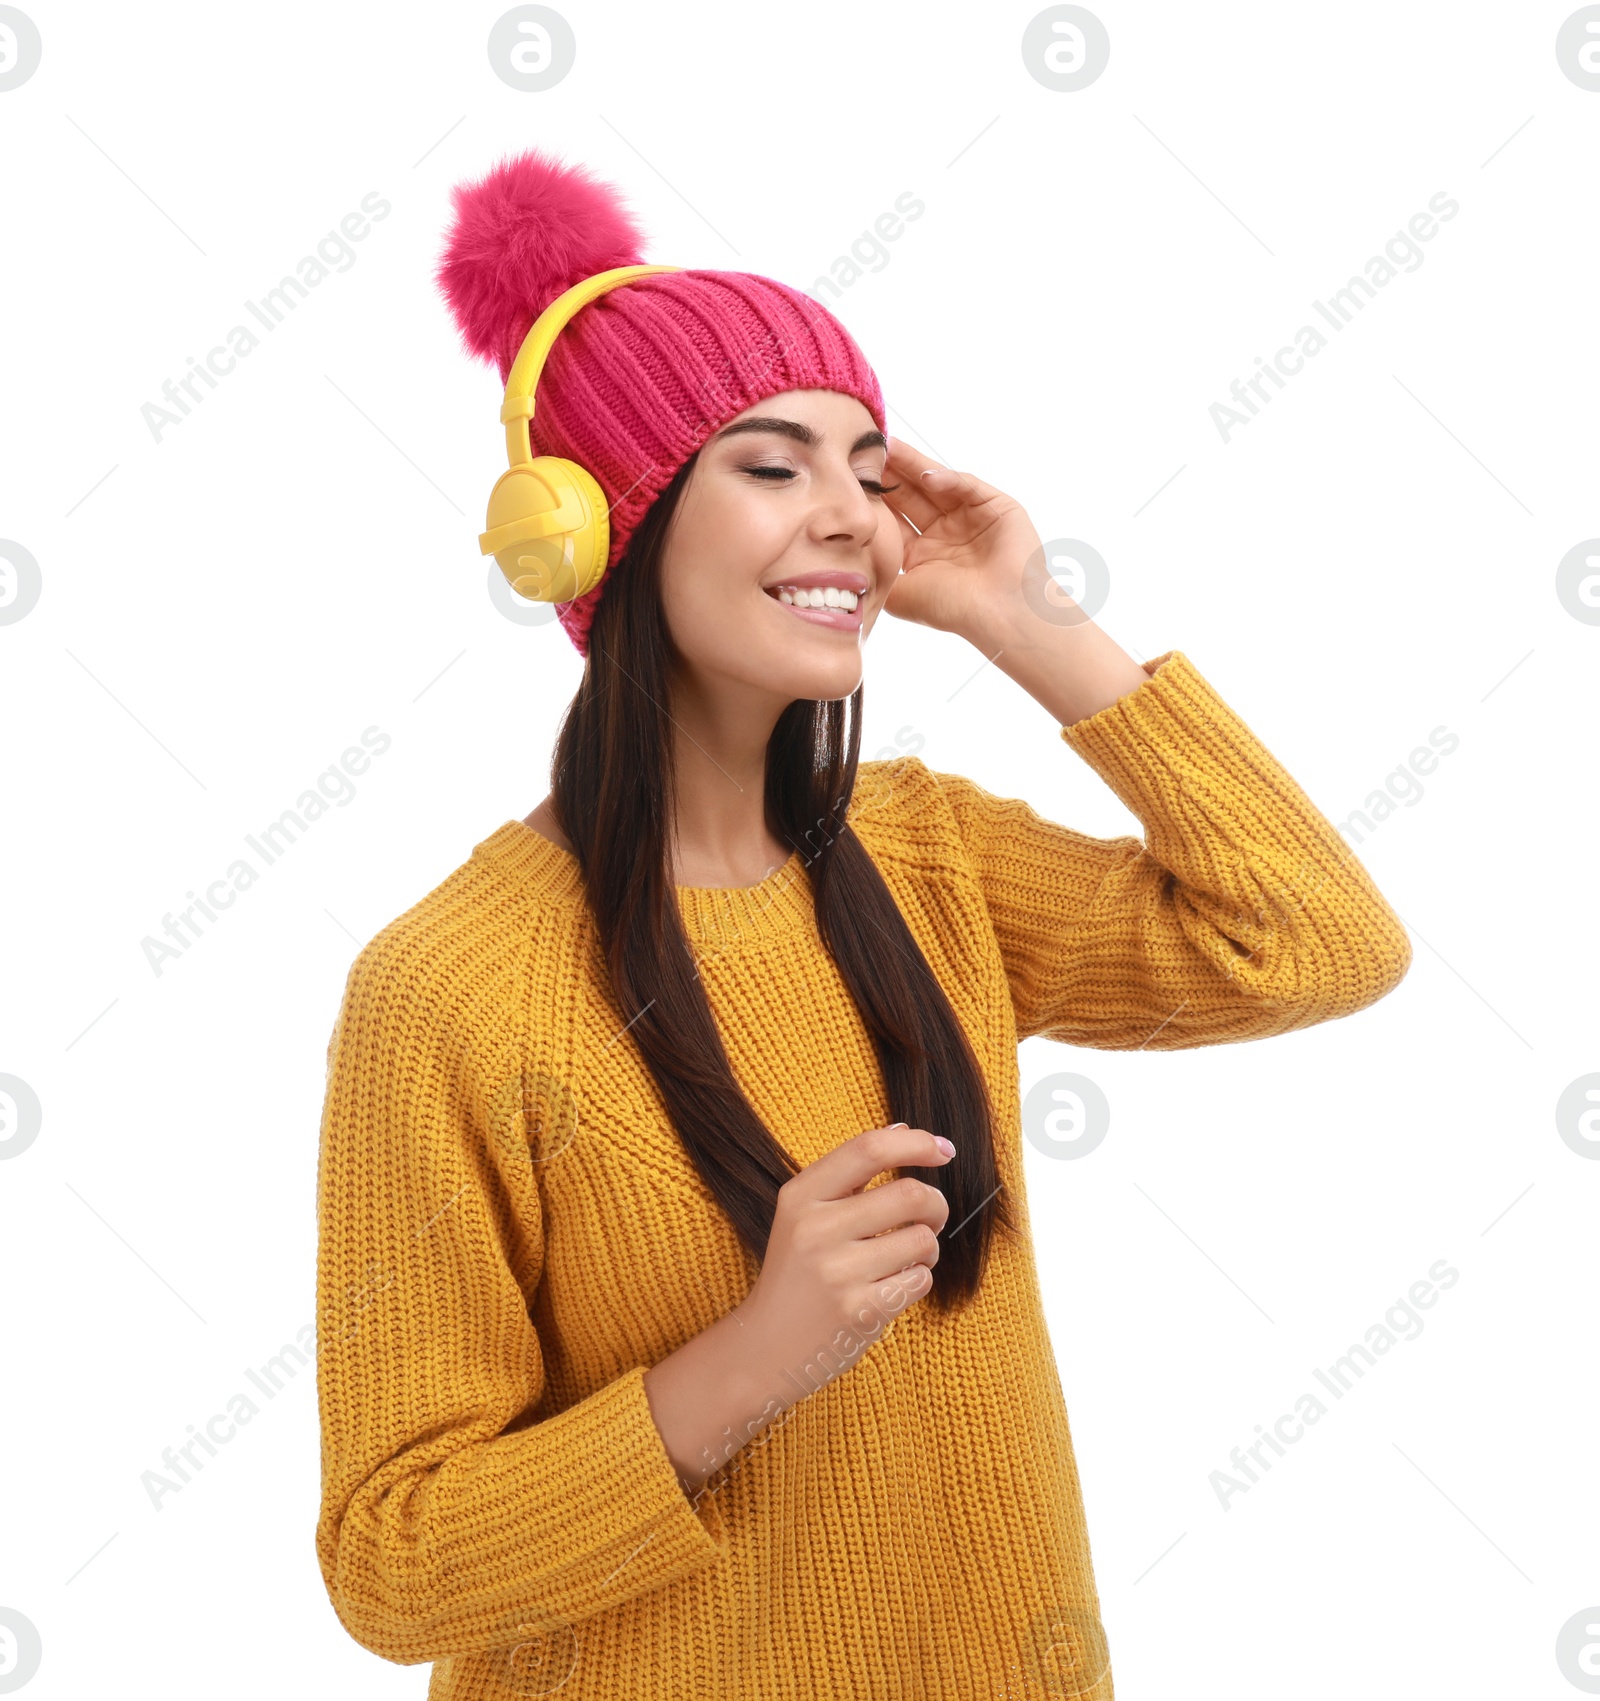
<point>841,578</point>
<point>839,619</point>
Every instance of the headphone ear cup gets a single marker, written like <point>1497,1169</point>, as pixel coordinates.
<point>592,543</point>
<point>549,529</point>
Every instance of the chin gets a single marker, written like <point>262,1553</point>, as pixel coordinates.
<point>831,680</point>
<point>832,688</point>
<point>803,669</point>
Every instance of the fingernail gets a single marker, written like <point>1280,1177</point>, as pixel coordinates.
<point>944,1145</point>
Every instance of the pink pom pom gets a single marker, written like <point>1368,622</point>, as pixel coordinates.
<point>529,229</point>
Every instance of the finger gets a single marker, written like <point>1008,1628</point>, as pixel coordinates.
<point>851,1165</point>
<point>906,459</point>
<point>874,1212</point>
<point>945,488</point>
<point>911,501</point>
<point>897,1290</point>
<point>909,535</point>
<point>951,491</point>
<point>877,1260</point>
<point>915,504</point>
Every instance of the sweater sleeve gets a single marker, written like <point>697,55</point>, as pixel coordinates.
<point>454,1517</point>
<point>1242,912</point>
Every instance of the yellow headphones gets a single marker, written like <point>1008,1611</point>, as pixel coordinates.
<point>548,520</point>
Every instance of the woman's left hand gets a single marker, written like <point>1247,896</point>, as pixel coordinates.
<point>967,547</point>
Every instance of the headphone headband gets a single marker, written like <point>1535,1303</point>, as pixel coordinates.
<point>523,378</point>
<point>548,522</point>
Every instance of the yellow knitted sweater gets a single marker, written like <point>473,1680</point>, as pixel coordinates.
<point>510,1234</point>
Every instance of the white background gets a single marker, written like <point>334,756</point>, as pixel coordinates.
<point>225,610</point>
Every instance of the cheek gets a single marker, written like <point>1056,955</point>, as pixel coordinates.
<point>723,545</point>
<point>714,561</point>
<point>888,552</point>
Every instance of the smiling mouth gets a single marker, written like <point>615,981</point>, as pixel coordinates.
<point>830,605</point>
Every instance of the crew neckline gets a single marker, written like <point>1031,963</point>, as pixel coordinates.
<point>723,916</point>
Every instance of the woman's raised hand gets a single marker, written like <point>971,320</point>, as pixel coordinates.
<point>967,547</point>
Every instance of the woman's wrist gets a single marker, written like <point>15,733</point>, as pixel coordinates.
<point>1067,664</point>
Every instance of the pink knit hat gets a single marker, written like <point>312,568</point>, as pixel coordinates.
<point>643,376</point>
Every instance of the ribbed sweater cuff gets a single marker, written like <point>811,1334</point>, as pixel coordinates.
<point>593,1485</point>
<point>1175,752</point>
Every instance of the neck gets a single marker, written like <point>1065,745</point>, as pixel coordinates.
<point>719,836</point>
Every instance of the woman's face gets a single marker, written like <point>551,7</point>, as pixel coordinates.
<point>781,505</point>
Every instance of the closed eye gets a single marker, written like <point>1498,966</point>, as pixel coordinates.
<point>873,486</point>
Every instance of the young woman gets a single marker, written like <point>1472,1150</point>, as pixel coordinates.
<point>679,1331</point>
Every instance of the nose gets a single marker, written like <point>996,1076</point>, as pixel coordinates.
<point>843,510</point>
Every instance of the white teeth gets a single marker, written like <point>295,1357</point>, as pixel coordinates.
<point>823,596</point>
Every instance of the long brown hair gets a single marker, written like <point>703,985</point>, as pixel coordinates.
<point>612,790</point>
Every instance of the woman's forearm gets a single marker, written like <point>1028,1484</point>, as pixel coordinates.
<point>720,1389</point>
<point>1073,668</point>
<point>717,1392</point>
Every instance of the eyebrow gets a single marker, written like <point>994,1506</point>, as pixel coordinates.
<point>800,432</point>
